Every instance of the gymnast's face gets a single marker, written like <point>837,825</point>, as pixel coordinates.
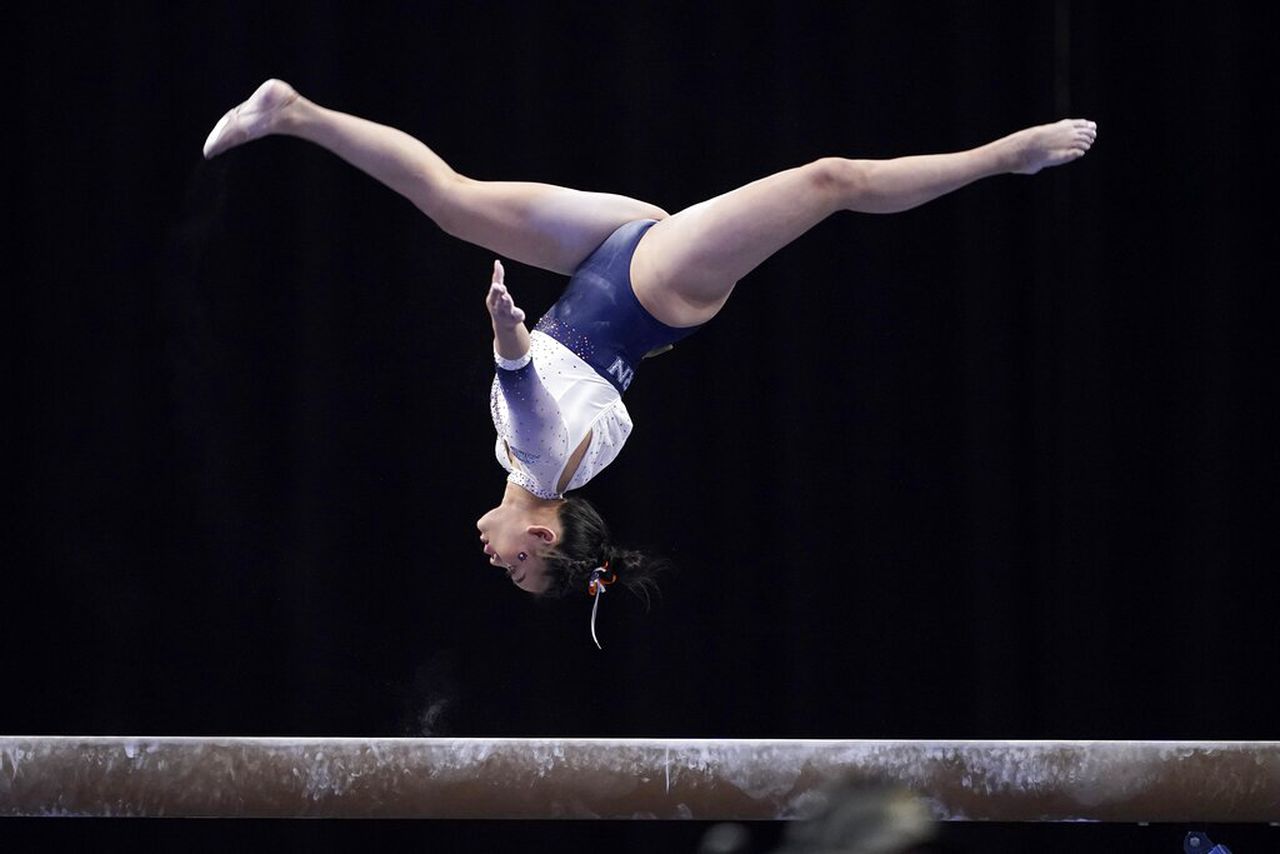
<point>514,541</point>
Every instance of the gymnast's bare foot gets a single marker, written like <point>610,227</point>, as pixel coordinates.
<point>1050,145</point>
<point>256,117</point>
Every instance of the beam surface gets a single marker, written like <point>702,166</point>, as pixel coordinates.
<point>562,778</point>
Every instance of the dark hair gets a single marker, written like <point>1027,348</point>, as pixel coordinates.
<point>585,544</point>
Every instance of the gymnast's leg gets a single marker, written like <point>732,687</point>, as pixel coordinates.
<point>542,225</point>
<point>686,266</point>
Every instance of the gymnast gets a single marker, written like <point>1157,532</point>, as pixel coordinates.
<point>640,280</point>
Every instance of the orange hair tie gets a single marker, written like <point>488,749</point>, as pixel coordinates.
<point>598,578</point>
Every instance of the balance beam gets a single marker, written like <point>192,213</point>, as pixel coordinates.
<point>581,778</point>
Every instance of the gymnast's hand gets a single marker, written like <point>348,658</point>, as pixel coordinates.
<point>510,338</point>
<point>502,308</point>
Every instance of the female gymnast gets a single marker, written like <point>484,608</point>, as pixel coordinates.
<point>640,279</point>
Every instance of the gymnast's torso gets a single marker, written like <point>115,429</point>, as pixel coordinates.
<point>559,422</point>
<point>559,411</point>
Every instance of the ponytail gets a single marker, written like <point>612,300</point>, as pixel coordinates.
<point>585,545</point>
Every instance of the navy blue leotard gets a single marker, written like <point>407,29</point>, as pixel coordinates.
<point>598,316</point>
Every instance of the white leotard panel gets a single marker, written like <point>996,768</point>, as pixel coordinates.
<point>543,405</point>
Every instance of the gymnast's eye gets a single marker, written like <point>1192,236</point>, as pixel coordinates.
<point>521,556</point>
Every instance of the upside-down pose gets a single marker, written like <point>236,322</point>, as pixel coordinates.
<point>640,279</point>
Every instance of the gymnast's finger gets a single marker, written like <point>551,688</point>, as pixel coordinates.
<point>498,272</point>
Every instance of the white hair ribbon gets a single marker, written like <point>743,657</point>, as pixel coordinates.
<point>596,587</point>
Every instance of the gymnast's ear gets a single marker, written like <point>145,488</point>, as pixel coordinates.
<point>542,532</point>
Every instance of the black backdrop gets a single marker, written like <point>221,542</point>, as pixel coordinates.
<point>994,468</point>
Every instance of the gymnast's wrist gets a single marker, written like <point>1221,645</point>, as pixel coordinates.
<point>511,347</point>
<point>511,343</point>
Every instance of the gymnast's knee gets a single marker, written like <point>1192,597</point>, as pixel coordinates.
<point>839,177</point>
<point>445,200</point>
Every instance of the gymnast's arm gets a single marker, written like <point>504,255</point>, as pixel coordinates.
<point>534,418</point>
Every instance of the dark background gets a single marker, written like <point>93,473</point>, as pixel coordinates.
<point>993,468</point>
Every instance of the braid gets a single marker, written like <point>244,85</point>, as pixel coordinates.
<point>585,544</point>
